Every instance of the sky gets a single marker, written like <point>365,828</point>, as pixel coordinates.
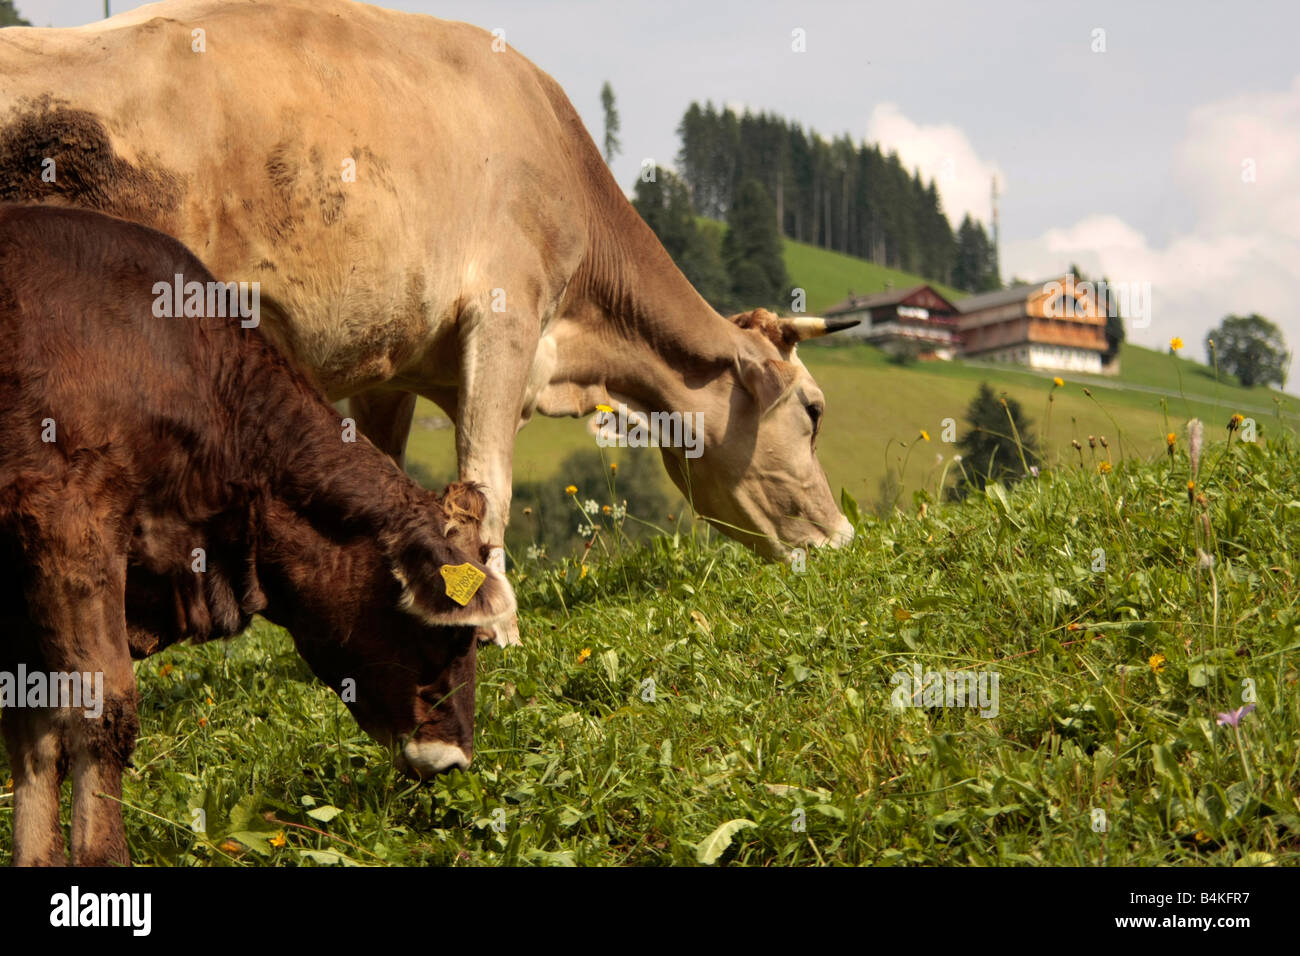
<point>1151,142</point>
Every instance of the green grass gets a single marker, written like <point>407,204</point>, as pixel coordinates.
<point>773,700</point>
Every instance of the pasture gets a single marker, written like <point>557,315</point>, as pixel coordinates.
<point>683,703</point>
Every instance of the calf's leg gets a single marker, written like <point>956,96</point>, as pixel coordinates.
<point>35,748</point>
<point>81,620</point>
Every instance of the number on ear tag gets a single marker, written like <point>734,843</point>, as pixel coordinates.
<point>463,581</point>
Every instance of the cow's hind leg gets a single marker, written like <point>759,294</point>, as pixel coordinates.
<point>385,418</point>
<point>35,748</point>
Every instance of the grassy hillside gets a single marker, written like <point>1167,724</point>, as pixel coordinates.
<point>683,704</point>
<point>828,276</point>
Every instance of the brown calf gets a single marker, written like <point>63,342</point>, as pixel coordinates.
<point>164,479</point>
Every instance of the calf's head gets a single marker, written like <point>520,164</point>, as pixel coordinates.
<point>381,621</point>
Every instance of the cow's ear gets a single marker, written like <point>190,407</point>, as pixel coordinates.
<point>768,380</point>
<point>442,585</point>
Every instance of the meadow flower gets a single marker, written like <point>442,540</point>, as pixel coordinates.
<point>1191,492</point>
<point>1104,468</point>
<point>1175,343</point>
<point>585,531</point>
<point>1157,663</point>
<point>278,840</point>
<point>1233,717</point>
<point>1235,422</point>
<point>230,846</point>
<point>583,574</point>
<point>925,435</point>
<point>613,466</point>
<point>571,490</point>
<point>583,655</point>
<point>604,408</point>
<point>203,721</point>
<point>1170,439</point>
<point>591,506</point>
<point>1058,382</point>
<point>1033,470</point>
<point>605,509</point>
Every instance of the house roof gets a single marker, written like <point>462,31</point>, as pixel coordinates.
<point>999,297</point>
<point>857,303</point>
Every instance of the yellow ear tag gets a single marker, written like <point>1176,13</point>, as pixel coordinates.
<point>463,581</point>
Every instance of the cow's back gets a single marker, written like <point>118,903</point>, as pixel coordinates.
<point>370,169</point>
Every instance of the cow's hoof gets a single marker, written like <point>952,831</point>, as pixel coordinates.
<point>505,634</point>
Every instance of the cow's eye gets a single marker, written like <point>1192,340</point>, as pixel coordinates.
<point>815,414</point>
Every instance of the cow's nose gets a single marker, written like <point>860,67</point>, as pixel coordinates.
<point>424,758</point>
<point>842,534</point>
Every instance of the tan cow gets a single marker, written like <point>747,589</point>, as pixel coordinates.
<point>426,215</point>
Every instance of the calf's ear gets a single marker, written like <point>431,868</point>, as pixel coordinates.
<point>442,584</point>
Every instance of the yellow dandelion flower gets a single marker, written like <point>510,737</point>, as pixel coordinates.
<point>925,435</point>
<point>1175,343</point>
<point>278,840</point>
<point>1200,836</point>
<point>613,466</point>
<point>604,408</point>
<point>1156,663</point>
<point>571,490</point>
<point>203,721</point>
<point>583,655</point>
<point>1104,468</point>
<point>605,509</point>
<point>211,702</point>
<point>1058,382</point>
<point>583,574</point>
<point>1170,439</point>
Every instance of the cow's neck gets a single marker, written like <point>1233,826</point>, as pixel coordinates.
<point>632,327</point>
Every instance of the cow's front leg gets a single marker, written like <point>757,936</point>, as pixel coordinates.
<point>496,353</point>
<point>36,759</point>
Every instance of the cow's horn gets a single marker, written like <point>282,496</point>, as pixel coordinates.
<point>810,327</point>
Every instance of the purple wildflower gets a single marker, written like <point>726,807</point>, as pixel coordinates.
<point>1233,717</point>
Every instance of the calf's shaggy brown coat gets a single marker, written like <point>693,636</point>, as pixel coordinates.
<point>133,446</point>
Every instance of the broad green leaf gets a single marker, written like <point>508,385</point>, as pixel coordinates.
<point>715,844</point>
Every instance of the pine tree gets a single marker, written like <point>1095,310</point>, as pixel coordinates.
<point>751,249</point>
<point>612,145</point>
<point>989,449</point>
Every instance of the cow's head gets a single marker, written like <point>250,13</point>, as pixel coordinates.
<point>757,477</point>
<point>381,624</point>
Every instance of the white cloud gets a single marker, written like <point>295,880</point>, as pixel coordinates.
<point>1242,253</point>
<point>943,153</point>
